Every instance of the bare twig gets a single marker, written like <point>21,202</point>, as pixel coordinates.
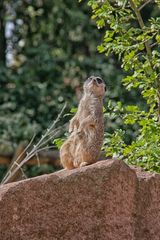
<point>144,4</point>
<point>124,4</point>
<point>23,174</point>
<point>48,135</point>
<point>19,157</point>
<point>141,23</point>
<point>25,150</point>
<point>153,44</point>
<point>38,161</point>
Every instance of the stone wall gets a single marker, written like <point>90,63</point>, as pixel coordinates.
<point>104,201</point>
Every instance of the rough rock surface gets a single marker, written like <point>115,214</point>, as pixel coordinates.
<point>107,200</point>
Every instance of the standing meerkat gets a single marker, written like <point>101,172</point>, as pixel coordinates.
<point>86,128</point>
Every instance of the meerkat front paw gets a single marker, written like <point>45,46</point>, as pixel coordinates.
<point>83,164</point>
<point>73,126</point>
<point>80,129</point>
<point>70,130</point>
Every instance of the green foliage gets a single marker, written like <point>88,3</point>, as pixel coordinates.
<point>53,49</point>
<point>53,46</point>
<point>58,142</point>
<point>136,43</point>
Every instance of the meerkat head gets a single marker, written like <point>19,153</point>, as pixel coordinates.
<point>95,86</point>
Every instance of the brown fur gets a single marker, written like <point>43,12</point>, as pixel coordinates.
<point>86,127</point>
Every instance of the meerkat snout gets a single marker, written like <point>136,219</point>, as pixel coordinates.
<point>99,80</point>
<point>95,85</point>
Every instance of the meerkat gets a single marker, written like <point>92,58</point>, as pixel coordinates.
<point>86,128</point>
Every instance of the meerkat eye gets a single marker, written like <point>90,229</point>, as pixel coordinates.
<point>90,79</point>
<point>99,80</point>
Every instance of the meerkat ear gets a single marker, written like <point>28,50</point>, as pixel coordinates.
<point>105,88</point>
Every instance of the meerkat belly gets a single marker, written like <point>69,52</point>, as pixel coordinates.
<point>96,141</point>
<point>91,142</point>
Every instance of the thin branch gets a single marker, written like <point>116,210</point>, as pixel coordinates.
<point>27,147</point>
<point>124,4</point>
<point>54,133</point>
<point>50,128</point>
<point>141,23</point>
<point>23,174</point>
<point>45,148</point>
<point>16,161</point>
<point>10,174</point>
<point>153,44</point>
<point>148,50</point>
<point>49,134</point>
<point>38,161</point>
<point>144,4</point>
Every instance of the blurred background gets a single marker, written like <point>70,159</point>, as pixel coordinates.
<point>47,49</point>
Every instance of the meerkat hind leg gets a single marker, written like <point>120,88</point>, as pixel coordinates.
<point>66,157</point>
<point>67,163</point>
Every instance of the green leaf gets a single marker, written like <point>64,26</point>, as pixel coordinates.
<point>73,110</point>
<point>58,142</point>
<point>158,38</point>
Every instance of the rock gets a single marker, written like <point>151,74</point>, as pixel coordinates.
<point>107,200</point>
<point>148,206</point>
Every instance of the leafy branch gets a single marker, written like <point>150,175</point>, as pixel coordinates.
<point>148,48</point>
<point>137,45</point>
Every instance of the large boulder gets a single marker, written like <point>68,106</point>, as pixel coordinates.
<point>107,200</point>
